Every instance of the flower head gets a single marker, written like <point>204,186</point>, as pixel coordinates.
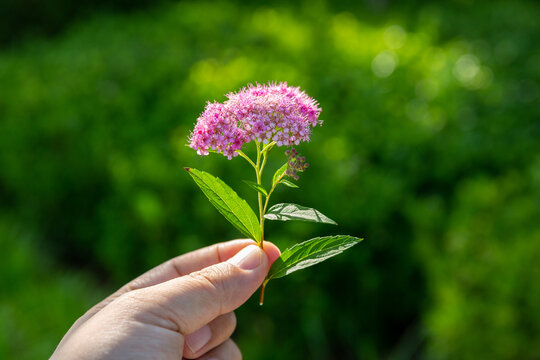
<point>265,113</point>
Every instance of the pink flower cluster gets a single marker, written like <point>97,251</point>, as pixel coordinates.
<point>273,112</point>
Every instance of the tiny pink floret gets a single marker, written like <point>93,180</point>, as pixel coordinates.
<point>266,113</point>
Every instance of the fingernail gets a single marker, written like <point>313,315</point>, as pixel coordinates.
<point>195,341</point>
<point>248,258</point>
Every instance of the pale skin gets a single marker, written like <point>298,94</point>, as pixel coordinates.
<point>182,309</point>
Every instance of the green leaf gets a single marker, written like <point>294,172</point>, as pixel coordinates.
<point>309,253</point>
<point>279,173</point>
<point>257,187</point>
<point>228,203</point>
<point>287,211</point>
<point>288,183</point>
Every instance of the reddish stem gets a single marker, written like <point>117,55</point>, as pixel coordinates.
<point>261,299</point>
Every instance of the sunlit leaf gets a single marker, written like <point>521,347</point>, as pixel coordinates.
<point>288,183</point>
<point>308,253</point>
<point>287,211</point>
<point>228,203</point>
<point>279,174</point>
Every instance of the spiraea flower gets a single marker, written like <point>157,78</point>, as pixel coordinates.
<point>265,113</point>
<point>214,131</point>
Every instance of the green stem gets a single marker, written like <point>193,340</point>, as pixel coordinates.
<point>270,193</point>
<point>268,146</point>
<point>259,167</point>
<point>261,298</point>
<point>263,163</point>
<point>258,173</point>
<point>241,153</point>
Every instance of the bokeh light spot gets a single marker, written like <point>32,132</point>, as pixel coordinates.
<point>384,64</point>
<point>466,68</point>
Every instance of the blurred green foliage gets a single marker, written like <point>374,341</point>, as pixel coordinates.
<point>429,150</point>
<point>37,301</point>
<point>24,19</point>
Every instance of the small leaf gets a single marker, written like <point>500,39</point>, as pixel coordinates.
<point>279,174</point>
<point>286,212</point>
<point>288,183</point>
<point>257,187</point>
<point>228,203</point>
<point>309,253</point>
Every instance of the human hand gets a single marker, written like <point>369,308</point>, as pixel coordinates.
<point>183,308</point>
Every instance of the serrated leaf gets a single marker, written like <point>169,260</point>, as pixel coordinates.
<point>279,173</point>
<point>309,253</point>
<point>289,183</point>
<point>235,209</point>
<point>287,211</point>
<point>257,187</point>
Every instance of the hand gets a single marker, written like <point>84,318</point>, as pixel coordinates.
<point>180,309</point>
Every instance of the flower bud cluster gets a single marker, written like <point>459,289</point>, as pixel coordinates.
<point>266,113</point>
<point>295,163</point>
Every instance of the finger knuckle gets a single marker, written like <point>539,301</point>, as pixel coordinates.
<point>213,280</point>
<point>132,301</point>
<point>150,308</point>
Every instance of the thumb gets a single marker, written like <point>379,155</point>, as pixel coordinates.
<point>193,300</point>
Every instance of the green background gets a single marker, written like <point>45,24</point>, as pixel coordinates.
<point>430,151</point>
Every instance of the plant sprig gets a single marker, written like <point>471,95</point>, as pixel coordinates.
<point>278,115</point>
